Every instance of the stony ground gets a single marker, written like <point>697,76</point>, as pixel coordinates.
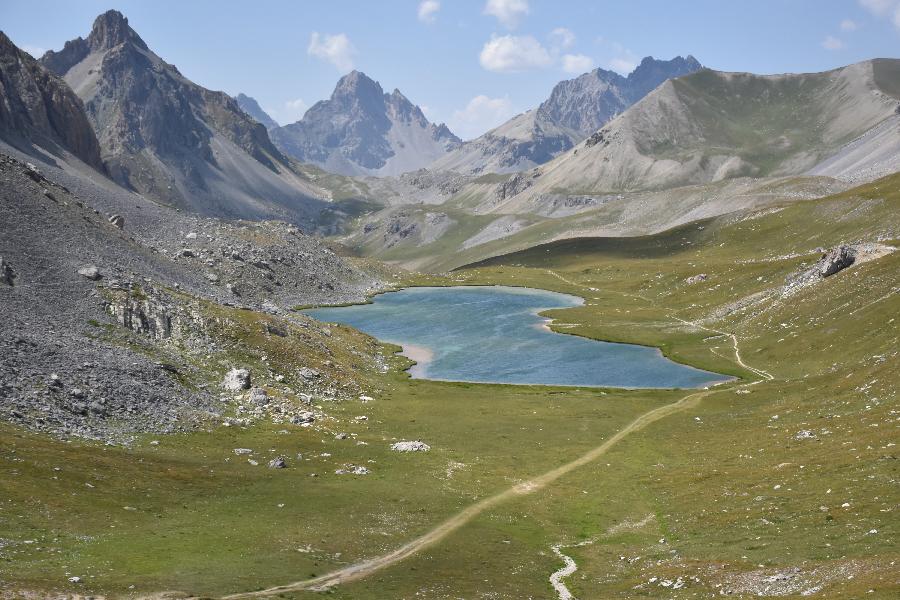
<point>109,303</point>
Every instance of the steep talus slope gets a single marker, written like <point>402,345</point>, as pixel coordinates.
<point>251,107</point>
<point>177,142</point>
<point>575,109</point>
<point>37,108</point>
<point>361,130</point>
<point>111,326</point>
<point>712,126</point>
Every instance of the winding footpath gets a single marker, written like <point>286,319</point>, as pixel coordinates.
<point>569,567</point>
<point>367,567</point>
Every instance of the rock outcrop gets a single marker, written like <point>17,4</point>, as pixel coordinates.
<point>37,107</point>
<point>836,259</point>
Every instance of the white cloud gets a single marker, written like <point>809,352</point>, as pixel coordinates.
<point>294,110</point>
<point>428,10</point>
<point>289,112</point>
<point>884,8</point>
<point>35,51</point>
<point>335,49</point>
<point>481,114</point>
<point>622,65</point>
<point>577,63</point>
<point>510,53</point>
<point>562,37</point>
<point>878,7</point>
<point>832,43</point>
<point>508,12</point>
<point>849,25</point>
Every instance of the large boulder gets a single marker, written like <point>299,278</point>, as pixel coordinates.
<point>278,462</point>
<point>836,260</point>
<point>414,446</point>
<point>236,380</point>
<point>90,272</point>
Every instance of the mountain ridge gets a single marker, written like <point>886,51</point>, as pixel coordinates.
<point>164,136</point>
<point>575,109</point>
<point>362,130</point>
<point>37,107</point>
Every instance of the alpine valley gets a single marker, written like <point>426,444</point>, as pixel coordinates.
<point>640,340</point>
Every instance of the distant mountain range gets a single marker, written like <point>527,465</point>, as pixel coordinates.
<point>361,130</point>
<point>603,153</point>
<point>712,126</point>
<point>575,109</point>
<point>166,137</point>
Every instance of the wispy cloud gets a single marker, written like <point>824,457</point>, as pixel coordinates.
<point>510,54</point>
<point>577,63</point>
<point>833,43</point>
<point>849,25</point>
<point>886,9</point>
<point>336,49</point>
<point>481,114</point>
<point>428,10</point>
<point>562,37</point>
<point>508,12</point>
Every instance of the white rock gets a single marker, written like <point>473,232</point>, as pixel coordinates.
<point>414,446</point>
<point>236,380</point>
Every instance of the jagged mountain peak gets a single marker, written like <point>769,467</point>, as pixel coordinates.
<point>361,130</point>
<point>356,84</point>
<point>166,137</point>
<point>111,29</point>
<point>575,109</point>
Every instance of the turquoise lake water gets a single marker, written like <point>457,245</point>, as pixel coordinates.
<point>492,334</point>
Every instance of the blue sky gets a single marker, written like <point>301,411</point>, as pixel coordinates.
<point>471,63</point>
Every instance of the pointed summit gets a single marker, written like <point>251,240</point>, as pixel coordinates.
<point>111,29</point>
<point>357,84</point>
<point>361,130</point>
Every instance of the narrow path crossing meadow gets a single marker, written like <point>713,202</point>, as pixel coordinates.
<point>367,567</point>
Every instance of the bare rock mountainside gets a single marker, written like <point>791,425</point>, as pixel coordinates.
<point>38,110</point>
<point>122,315</point>
<point>251,107</point>
<point>361,130</point>
<point>575,109</point>
<point>713,126</point>
<point>168,138</point>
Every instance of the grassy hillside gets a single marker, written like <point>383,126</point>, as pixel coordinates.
<point>781,483</point>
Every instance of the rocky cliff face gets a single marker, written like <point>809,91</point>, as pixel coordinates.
<point>361,130</point>
<point>36,107</point>
<point>164,136</point>
<point>575,109</point>
<point>251,107</point>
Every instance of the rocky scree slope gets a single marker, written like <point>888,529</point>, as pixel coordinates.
<point>172,140</point>
<point>575,109</point>
<point>38,109</point>
<point>361,130</point>
<point>117,323</point>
